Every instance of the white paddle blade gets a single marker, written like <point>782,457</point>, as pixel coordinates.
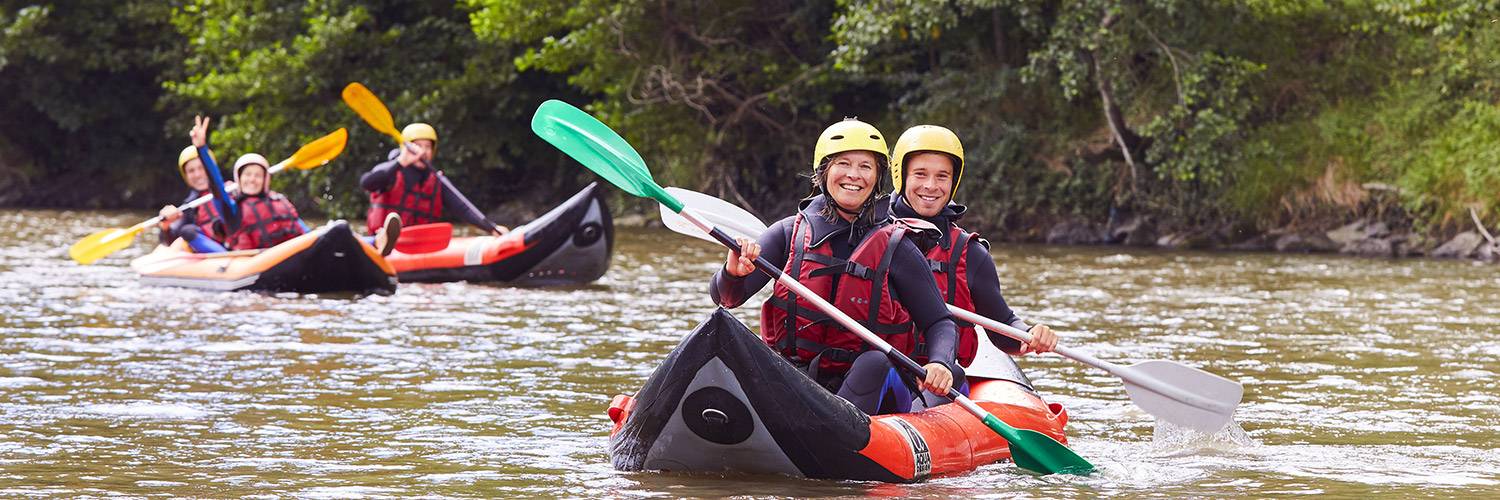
<point>680,224</point>
<point>732,219</point>
<point>1205,402</point>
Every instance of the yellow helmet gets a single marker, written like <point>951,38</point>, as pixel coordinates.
<point>849,135</point>
<point>419,131</point>
<point>926,138</point>
<point>189,153</point>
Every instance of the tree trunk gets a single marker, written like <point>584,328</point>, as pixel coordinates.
<point>1127,138</point>
<point>999,34</point>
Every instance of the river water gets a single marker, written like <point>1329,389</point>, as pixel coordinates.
<point>1362,377</point>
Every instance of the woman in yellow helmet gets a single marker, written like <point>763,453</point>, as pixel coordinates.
<point>839,247</point>
<point>408,185</point>
<point>200,226</point>
<point>926,167</point>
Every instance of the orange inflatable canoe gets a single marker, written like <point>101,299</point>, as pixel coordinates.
<point>725,402</point>
<point>571,244</point>
<point>327,259</point>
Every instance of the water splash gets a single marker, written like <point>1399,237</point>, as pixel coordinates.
<point>1168,439</point>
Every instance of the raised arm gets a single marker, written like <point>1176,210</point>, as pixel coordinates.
<point>227,208</point>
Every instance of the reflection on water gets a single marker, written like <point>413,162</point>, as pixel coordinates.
<point>1362,377</point>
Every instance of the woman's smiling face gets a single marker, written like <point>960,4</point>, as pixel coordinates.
<point>851,178</point>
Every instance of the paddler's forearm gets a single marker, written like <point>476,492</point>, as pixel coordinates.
<point>912,282</point>
<point>379,178</point>
<point>731,291</point>
<point>942,343</point>
<point>226,205</point>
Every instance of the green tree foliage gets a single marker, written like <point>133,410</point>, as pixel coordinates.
<point>80,82</point>
<point>1196,104</point>
<point>273,70</point>
<point>1200,113</point>
<point>724,95</point>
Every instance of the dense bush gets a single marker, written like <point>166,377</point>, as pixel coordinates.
<point>1202,113</point>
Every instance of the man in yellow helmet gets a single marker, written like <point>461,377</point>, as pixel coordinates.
<point>407,185</point>
<point>200,226</point>
<point>926,167</point>
<point>839,247</point>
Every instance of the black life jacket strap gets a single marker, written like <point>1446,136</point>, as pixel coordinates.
<point>816,317</point>
<point>799,250</point>
<point>959,248</point>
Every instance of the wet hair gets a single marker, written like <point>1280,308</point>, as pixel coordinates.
<point>819,179</point>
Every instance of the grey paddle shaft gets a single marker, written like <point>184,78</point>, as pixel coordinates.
<point>1141,379</point>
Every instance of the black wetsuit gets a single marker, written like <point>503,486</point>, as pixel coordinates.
<point>984,281</point>
<point>865,382</point>
<point>383,176</point>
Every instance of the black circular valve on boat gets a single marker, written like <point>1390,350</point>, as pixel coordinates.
<point>716,415</point>
<point>587,234</point>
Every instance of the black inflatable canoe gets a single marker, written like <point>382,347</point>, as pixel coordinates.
<point>571,244</point>
<point>723,401</point>
<point>327,259</point>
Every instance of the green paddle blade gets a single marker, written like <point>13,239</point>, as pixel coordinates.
<point>599,148</point>
<point>1037,452</point>
<point>98,245</point>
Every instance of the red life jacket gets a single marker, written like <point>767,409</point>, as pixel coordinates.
<point>206,217</point>
<point>950,267</point>
<point>863,292</point>
<point>264,222</point>
<point>417,203</point>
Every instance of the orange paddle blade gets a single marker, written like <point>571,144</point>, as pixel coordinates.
<point>371,109</point>
<point>320,151</point>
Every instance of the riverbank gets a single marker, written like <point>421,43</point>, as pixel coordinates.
<point>1371,236</point>
<point>1363,236</point>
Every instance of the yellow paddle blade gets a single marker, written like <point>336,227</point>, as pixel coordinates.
<point>320,151</point>
<point>367,106</point>
<point>98,245</point>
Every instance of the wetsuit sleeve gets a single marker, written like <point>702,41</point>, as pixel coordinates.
<point>466,209</point>
<point>227,207</point>
<point>165,236</point>
<point>381,177</point>
<point>175,228</point>
<point>912,282</point>
<point>984,288</point>
<point>188,216</point>
<point>731,291</point>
